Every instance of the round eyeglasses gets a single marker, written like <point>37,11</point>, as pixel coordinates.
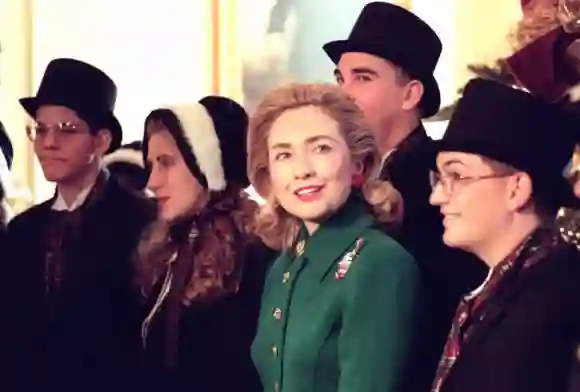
<point>450,182</point>
<point>61,130</point>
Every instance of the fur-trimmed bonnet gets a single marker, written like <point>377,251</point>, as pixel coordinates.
<point>211,135</point>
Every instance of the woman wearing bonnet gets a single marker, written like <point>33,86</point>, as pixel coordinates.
<point>340,302</point>
<point>199,269</point>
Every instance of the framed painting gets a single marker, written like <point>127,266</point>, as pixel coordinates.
<point>262,44</point>
<point>265,43</point>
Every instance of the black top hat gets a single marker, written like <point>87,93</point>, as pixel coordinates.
<point>83,88</point>
<point>514,127</point>
<point>399,36</point>
<point>6,146</point>
<point>211,136</point>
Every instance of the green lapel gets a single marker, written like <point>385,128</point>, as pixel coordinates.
<point>337,235</point>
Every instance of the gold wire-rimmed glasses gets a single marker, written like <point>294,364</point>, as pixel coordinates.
<point>450,181</point>
<point>61,130</point>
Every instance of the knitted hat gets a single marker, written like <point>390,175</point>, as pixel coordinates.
<point>211,136</point>
<point>126,164</point>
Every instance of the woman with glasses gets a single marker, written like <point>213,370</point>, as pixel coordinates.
<point>340,303</point>
<point>499,185</point>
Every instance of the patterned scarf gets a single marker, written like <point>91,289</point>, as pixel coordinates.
<point>62,233</point>
<point>472,307</point>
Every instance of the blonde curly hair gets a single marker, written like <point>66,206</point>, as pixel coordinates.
<point>538,19</point>
<point>276,227</point>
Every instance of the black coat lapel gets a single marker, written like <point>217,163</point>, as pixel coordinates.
<point>407,168</point>
<point>408,151</point>
<point>508,291</point>
<point>494,311</point>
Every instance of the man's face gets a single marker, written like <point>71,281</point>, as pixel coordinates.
<point>378,88</point>
<point>64,145</point>
<point>477,201</point>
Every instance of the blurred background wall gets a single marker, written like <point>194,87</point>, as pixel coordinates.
<point>170,51</point>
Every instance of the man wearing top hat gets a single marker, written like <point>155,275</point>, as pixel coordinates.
<point>499,181</point>
<point>387,64</point>
<point>73,319</point>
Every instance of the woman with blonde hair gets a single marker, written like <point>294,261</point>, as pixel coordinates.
<point>339,303</point>
<point>199,268</point>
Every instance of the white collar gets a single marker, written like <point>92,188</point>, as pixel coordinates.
<point>478,290</point>
<point>386,156</point>
<point>60,203</point>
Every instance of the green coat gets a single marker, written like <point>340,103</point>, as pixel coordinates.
<point>320,333</point>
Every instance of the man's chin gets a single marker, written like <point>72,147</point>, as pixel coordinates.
<point>55,177</point>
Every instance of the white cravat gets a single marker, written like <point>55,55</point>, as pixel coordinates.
<point>386,156</point>
<point>479,289</point>
<point>60,203</point>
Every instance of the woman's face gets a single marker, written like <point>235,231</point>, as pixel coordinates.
<point>178,192</point>
<point>310,164</point>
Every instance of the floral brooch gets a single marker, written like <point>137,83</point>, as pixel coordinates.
<point>347,259</point>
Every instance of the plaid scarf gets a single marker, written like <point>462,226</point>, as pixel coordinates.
<point>472,309</point>
<point>62,233</point>
<point>60,236</point>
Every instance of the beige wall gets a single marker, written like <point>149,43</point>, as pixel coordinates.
<point>482,26</point>
<point>159,53</point>
<point>178,53</point>
<point>15,81</point>
<point>472,31</point>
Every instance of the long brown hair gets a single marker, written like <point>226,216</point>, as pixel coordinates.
<point>216,255</point>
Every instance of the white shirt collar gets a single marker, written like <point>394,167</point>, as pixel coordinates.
<point>478,290</point>
<point>386,156</point>
<point>60,203</point>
